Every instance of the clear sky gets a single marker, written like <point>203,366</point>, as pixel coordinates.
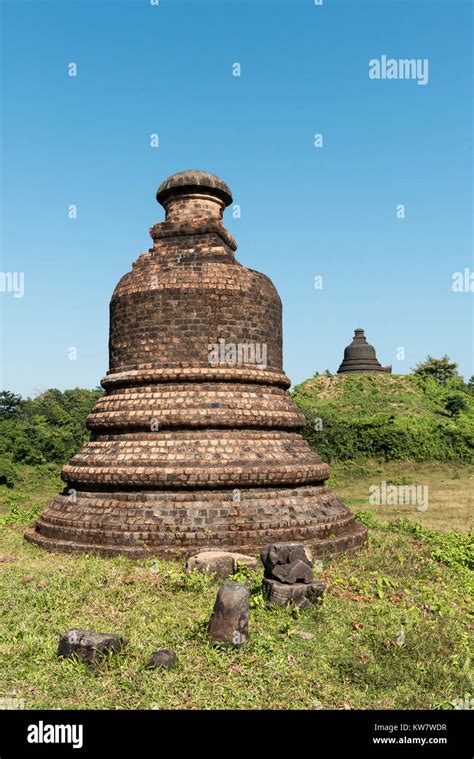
<point>305,211</point>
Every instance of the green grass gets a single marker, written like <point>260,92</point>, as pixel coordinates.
<point>33,489</point>
<point>356,658</point>
<point>450,488</point>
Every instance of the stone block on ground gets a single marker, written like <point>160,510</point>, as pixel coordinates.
<point>229,620</point>
<point>162,659</point>
<point>300,594</point>
<point>223,563</point>
<point>89,645</point>
<point>281,554</point>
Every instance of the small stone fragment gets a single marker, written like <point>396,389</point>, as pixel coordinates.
<point>229,620</point>
<point>305,635</point>
<point>316,590</point>
<point>89,645</point>
<point>295,571</point>
<point>162,659</point>
<point>223,563</point>
<point>300,594</point>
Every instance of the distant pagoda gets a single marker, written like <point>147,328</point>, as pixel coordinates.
<point>359,356</point>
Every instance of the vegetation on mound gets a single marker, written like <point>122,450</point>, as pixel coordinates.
<point>386,416</point>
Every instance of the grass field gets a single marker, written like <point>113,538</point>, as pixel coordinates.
<point>392,631</point>
<point>450,490</point>
<point>34,488</point>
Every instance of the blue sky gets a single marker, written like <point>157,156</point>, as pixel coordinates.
<point>305,211</point>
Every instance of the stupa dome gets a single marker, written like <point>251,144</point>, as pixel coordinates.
<point>359,356</point>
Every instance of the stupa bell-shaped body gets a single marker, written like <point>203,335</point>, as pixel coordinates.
<point>196,443</point>
<point>359,356</point>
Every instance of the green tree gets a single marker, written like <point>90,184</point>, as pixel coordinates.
<point>441,369</point>
<point>9,404</point>
<point>46,429</point>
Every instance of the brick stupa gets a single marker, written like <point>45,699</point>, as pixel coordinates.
<point>359,356</point>
<point>196,443</point>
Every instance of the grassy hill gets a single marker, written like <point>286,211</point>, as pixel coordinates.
<point>387,416</point>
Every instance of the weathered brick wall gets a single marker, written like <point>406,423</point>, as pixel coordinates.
<point>181,298</point>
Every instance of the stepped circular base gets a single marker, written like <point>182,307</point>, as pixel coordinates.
<point>348,367</point>
<point>216,458</point>
<point>189,405</point>
<point>177,523</point>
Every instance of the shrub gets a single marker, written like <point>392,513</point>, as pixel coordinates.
<point>455,403</point>
<point>8,472</point>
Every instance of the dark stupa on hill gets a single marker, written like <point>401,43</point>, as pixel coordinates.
<point>359,356</point>
<point>196,443</point>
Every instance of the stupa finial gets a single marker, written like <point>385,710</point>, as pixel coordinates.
<point>193,194</point>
